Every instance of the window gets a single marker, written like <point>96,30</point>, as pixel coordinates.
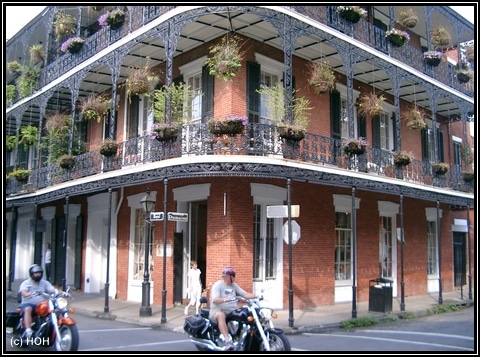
<point>271,73</point>
<point>343,245</point>
<point>457,153</point>
<point>343,118</point>
<point>139,247</point>
<point>192,75</point>
<point>385,247</point>
<point>432,248</point>
<point>265,250</point>
<point>428,143</point>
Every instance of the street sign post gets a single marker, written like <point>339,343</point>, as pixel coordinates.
<point>156,216</point>
<point>282,211</point>
<point>177,216</point>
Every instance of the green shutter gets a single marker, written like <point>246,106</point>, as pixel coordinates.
<point>253,98</point>
<point>375,130</point>
<point>335,115</point>
<point>208,92</point>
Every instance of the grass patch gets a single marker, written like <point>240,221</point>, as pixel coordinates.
<point>359,322</point>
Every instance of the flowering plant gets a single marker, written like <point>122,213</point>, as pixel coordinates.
<point>354,146</point>
<point>72,44</point>
<point>232,125</point>
<point>114,19</point>
<point>440,168</point>
<point>164,132</point>
<point>402,158</point>
<point>397,37</point>
<point>352,13</point>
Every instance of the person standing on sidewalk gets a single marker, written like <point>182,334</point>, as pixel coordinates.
<point>194,287</point>
<point>48,261</point>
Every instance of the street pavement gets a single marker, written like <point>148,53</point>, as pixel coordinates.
<point>296,321</point>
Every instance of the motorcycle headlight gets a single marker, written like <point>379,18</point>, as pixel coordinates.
<point>62,303</point>
<point>266,313</point>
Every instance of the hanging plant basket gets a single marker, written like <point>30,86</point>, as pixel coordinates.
<point>21,175</point>
<point>370,104</point>
<point>440,168</point>
<point>109,148</point>
<point>114,19</point>
<point>94,107</point>
<point>291,133</point>
<point>352,13</point>
<point>463,77</point>
<point>415,118</point>
<point>322,77</point>
<point>433,58</point>
<point>230,126</point>
<point>440,37</point>
<point>354,146</point>
<point>468,176</point>
<point>225,58</point>
<point>164,132</point>
<point>138,80</point>
<point>408,18</point>
<point>402,158</point>
<point>66,161</point>
<point>397,37</point>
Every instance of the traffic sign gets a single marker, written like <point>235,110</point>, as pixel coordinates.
<point>156,216</point>
<point>282,211</point>
<point>177,216</point>
<point>296,232</point>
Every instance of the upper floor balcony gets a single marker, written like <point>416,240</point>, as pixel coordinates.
<point>195,140</point>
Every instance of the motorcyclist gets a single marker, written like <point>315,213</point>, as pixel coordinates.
<point>30,291</point>
<point>222,301</point>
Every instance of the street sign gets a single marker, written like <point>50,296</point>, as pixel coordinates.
<point>296,232</point>
<point>156,216</point>
<point>177,216</point>
<point>282,211</point>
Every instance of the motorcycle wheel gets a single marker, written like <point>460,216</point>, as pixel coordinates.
<point>69,338</point>
<point>278,342</point>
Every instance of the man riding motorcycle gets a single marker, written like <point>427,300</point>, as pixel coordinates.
<point>30,291</point>
<point>222,301</point>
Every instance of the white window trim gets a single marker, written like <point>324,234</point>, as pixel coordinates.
<point>269,65</point>
<point>192,68</point>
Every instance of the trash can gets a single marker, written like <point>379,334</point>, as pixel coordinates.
<point>380,295</point>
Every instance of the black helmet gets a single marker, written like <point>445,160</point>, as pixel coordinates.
<point>228,271</point>
<point>35,268</point>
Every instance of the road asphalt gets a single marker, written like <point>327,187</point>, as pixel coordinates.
<point>295,321</point>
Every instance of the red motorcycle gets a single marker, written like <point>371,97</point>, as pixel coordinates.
<point>51,324</point>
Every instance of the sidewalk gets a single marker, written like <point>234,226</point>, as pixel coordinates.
<point>323,317</point>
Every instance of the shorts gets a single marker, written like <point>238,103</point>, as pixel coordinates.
<point>24,305</point>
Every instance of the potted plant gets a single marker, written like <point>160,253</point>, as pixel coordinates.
<point>27,82</point>
<point>139,78</point>
<point>15,68</point>
<point>322,77</point>
<point>408,17</point>
<point>180,96</point>
<point>64,25</point>
<point>66,161</point>
<point>10,94</point>
<point>352,13</point>
<point>415,118</point>
<point>21,175</point>
<point>164,132</point>
<point>72,44</point>
<point>28,135</point>
<point>37,53</point>
<point>114,19</point>
<point>402,158</point>
<point>292,130</point>
<point>109,147</point>
<point>11,142</point>
<point>225,58</point>
<point>370,104</point>
<point>94,107</point>
<point>433,58</point>
<point>440,168</point>
<point>397,37</point>
<point>234,124</point>
<point>354,146</point>
<point>440,37</point>
<point>468,176</point>
<point>463,76</point>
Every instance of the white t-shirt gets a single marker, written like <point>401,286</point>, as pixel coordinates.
<point>194,280</point>
<point>48,256</point>
<point>42,286</point>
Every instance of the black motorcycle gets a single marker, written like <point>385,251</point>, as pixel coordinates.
<point>51,324</point>
<point>250,326</point>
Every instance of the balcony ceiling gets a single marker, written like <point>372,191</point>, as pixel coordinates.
<point>211,26</point>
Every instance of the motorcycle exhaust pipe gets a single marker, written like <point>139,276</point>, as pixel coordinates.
<point>206,344</point>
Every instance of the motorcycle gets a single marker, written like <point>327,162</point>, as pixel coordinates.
<point>250,326</point>
<point>51,324</point>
